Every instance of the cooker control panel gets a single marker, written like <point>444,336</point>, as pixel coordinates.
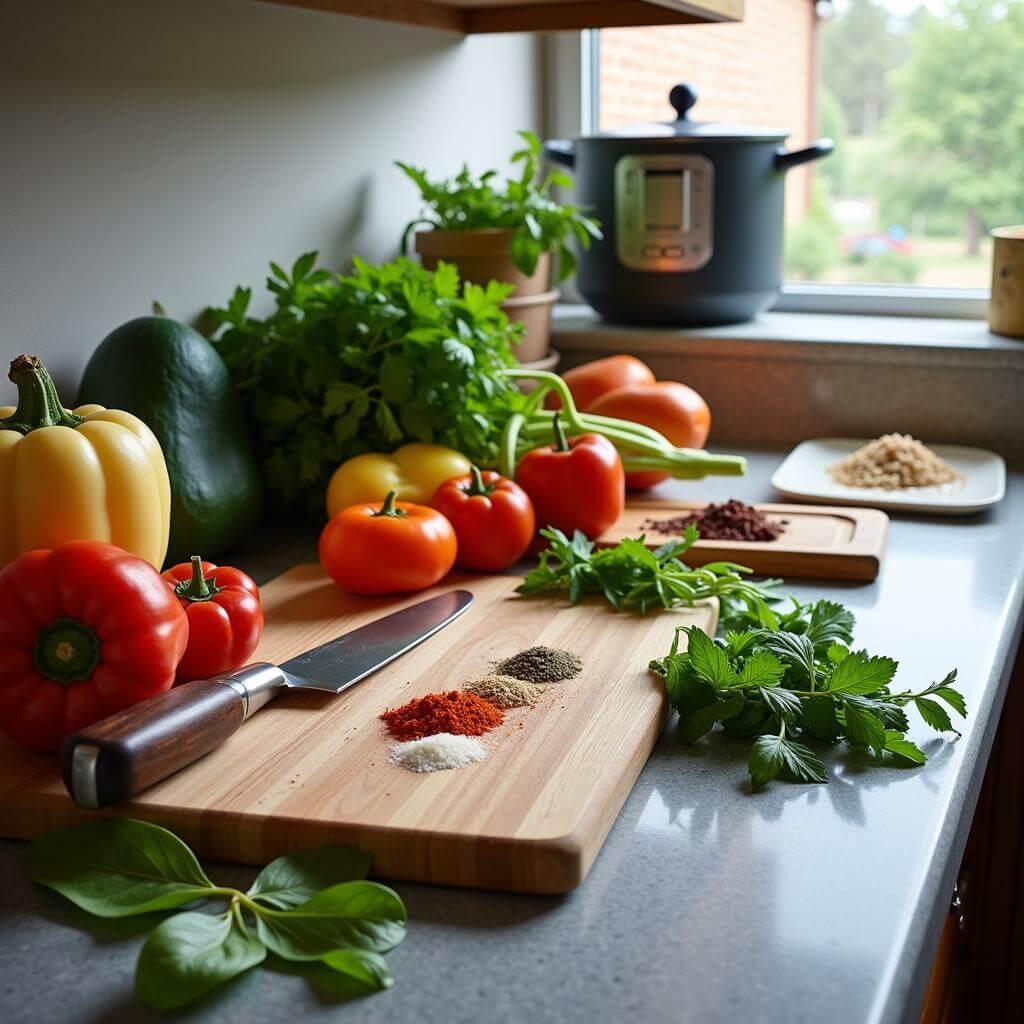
<point>663,208</point>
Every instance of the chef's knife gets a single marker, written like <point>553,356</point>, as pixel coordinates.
<point>124,754</point>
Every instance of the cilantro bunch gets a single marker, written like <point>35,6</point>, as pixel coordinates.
<point>523,205</point>
<point>312,907</point>
<point>796,679</point>
<point>366,362</point>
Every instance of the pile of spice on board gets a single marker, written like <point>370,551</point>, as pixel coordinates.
<point>437,753</point>
<point>541,665</point>
<point>506,691</point>
<point>893,462</point>
<point>439,728</point>
<point>464,714</point>
<point>731,520</point>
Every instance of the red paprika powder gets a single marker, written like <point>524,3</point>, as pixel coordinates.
<point>456,711</point>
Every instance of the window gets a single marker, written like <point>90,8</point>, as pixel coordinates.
<point>925,100</point>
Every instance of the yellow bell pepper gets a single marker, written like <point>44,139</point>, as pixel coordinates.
<point>84,474</point>
<point>414,470</point>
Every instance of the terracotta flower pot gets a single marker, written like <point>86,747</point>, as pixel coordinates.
<point>486,255</point>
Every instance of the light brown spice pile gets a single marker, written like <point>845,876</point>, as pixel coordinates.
<point>541,665</point>
<point>506,691</point>
<point>892,462</point>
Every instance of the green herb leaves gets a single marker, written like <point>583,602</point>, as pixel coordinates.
<point>347,365</point>
<point>797,678</point>
<point>632,577</point>
<point>309,906</point>
<point>117,868</point>
<point>524,206</point>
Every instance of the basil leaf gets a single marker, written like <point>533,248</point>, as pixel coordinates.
<point>117,867</point>
<point>793,648</point>
<point>189,954</point>
<point>765,761</point>
<point>761,669</point>
<point>700,721</point>
<point>784,703</point>
<point>370,969</point>
<point>296,878</point>
<point>363,915</point>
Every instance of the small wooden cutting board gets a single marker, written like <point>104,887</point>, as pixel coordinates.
<point>819,542</point>
<point>312,769</point>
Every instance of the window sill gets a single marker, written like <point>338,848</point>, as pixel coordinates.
<point>579,323</point>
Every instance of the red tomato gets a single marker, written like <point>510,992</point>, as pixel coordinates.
<point>574,485</point>
<point>389,549</point>
<point>492,516</point>
<point>85,630</point>
<point>225,618</point>
<point>671,408</point>
<point>591,380</point>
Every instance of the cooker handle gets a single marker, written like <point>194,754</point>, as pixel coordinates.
<point>815,151</point>
<point>561,151</point>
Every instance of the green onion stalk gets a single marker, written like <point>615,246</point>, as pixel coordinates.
<point>642,448</point>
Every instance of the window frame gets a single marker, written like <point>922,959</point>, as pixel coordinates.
<point>574,107</point>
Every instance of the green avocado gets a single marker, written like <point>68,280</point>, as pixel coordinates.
<point>173,379</point>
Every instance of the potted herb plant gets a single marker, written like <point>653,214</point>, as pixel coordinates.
<point>513,232</point>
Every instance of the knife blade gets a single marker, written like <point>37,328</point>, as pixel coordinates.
<point>131,750</point>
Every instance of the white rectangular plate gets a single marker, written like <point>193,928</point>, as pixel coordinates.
<point>804,475</point>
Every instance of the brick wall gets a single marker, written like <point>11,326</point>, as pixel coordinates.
<point>761,71</point>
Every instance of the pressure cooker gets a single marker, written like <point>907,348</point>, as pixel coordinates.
<point>692,214</point>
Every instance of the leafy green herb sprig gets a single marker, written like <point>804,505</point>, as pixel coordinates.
<point>632,577</point>
<point>365,362</point>
<point>525,205</point>
<point>794,680</point>
<point>314,907</point>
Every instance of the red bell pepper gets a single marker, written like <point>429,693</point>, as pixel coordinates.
<point>577,484</point>
<point>225,617</point>
<point>86,629</point>
<point>492,516</point>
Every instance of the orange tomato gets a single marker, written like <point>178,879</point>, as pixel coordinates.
<point>591,380</point>
<point>671,408</point>
<point>389,549</point>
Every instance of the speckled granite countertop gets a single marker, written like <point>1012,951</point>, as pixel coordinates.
<point>799,904</point>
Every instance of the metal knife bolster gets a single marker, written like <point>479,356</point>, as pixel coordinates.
<point>256,684</point>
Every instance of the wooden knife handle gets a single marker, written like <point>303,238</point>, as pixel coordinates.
<point>124,754</point>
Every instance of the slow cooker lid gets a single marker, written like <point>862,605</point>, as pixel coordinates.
<point>683,96</point>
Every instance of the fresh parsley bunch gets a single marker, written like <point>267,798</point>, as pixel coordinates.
<point>524,205</point>
<point>632,577</point>
<point>313,907</point>
<point>366,362</point>
<point>793,680</point>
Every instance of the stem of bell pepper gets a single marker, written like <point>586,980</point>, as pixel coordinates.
<point>39,405</point>
<point>66,651</point>
<point>197,587</point>
<point>561,441</point>
<point>641,447</point>
<point>477,486</point>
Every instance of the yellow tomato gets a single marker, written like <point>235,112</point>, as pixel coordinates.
<point>415,471</point>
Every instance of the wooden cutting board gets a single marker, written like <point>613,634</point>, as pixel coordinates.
<point>819,542</point>
<point>312,769</point>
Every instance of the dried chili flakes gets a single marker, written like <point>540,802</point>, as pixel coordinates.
<point>457,712</point>
<point>731,520</point>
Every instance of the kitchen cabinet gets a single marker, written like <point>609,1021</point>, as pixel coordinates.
<point>468,16</point>
<point>977,974</point>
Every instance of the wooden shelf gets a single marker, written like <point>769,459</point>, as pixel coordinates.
<point>468,16</point>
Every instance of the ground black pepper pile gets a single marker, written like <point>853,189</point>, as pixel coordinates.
<point>731,520</point>
<point>541,665</point>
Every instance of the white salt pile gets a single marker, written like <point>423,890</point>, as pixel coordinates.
<point>437,753</point>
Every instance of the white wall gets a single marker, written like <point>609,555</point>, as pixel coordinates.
<point>167,149</point>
